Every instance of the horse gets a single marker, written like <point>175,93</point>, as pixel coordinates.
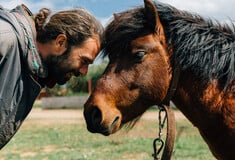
<point>145,45</point>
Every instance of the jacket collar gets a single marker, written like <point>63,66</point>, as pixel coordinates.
<point>31,55</point>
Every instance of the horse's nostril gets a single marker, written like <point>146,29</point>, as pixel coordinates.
<point>115,120</point>
<point>96,116</point>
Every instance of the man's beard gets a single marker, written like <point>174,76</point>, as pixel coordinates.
<point>59,67</point>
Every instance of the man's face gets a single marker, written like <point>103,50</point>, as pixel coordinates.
<point>74,61</point>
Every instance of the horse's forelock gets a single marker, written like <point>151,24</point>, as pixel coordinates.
<point>122,30</point>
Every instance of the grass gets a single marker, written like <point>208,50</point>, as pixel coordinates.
<point>71,141</point>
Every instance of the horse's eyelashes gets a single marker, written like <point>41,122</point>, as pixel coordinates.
<point>140,54</point>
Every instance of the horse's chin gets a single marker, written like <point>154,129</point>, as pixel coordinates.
<point>107,128</point>
<point>118,125</point>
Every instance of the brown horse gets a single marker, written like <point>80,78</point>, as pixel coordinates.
<point>145,45</point>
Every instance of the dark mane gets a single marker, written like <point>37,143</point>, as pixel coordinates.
<point>204,47</point>
<point>121,31</point>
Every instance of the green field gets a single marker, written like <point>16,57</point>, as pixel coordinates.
<point>47,139</point>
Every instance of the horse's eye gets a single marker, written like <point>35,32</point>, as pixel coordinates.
<point>140,54</point>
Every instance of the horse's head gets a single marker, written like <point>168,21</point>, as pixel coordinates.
<point>138,74</point>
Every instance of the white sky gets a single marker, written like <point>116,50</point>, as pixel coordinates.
<point>222,10</point>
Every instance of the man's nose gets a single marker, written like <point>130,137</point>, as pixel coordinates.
<point>83,70</point>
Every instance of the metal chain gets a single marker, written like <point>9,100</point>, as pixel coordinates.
<point>158,143</point>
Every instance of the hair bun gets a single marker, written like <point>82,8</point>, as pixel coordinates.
<point>41,17</point>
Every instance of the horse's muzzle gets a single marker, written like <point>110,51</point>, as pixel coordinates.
<point>96,123</point>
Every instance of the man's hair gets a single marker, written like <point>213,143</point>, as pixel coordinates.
<point>77,24</point>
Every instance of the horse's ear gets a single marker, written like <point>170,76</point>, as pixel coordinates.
<point>153,19</point>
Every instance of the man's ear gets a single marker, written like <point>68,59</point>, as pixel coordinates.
<point>61,43</point>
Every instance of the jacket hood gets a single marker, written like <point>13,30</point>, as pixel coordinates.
<point>19,19</point>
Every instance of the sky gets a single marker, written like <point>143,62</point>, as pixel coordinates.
<point>221,10</point>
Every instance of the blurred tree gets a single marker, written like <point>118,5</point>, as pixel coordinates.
<point>79,84</point>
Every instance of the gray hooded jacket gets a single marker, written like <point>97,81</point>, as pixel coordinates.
<point>19,63</point>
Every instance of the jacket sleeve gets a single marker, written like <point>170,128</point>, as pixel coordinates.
<point>18,89</point>
<point>10,72</point>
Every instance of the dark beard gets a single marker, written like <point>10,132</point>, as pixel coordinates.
<point>58,66</point>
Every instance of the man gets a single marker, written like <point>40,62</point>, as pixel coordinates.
<point>37,51</point>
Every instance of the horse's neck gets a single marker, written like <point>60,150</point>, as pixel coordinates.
<point>211,110</point>
<point>195,98</point>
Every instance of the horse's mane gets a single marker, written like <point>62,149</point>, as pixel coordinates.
<point>203,46</point>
